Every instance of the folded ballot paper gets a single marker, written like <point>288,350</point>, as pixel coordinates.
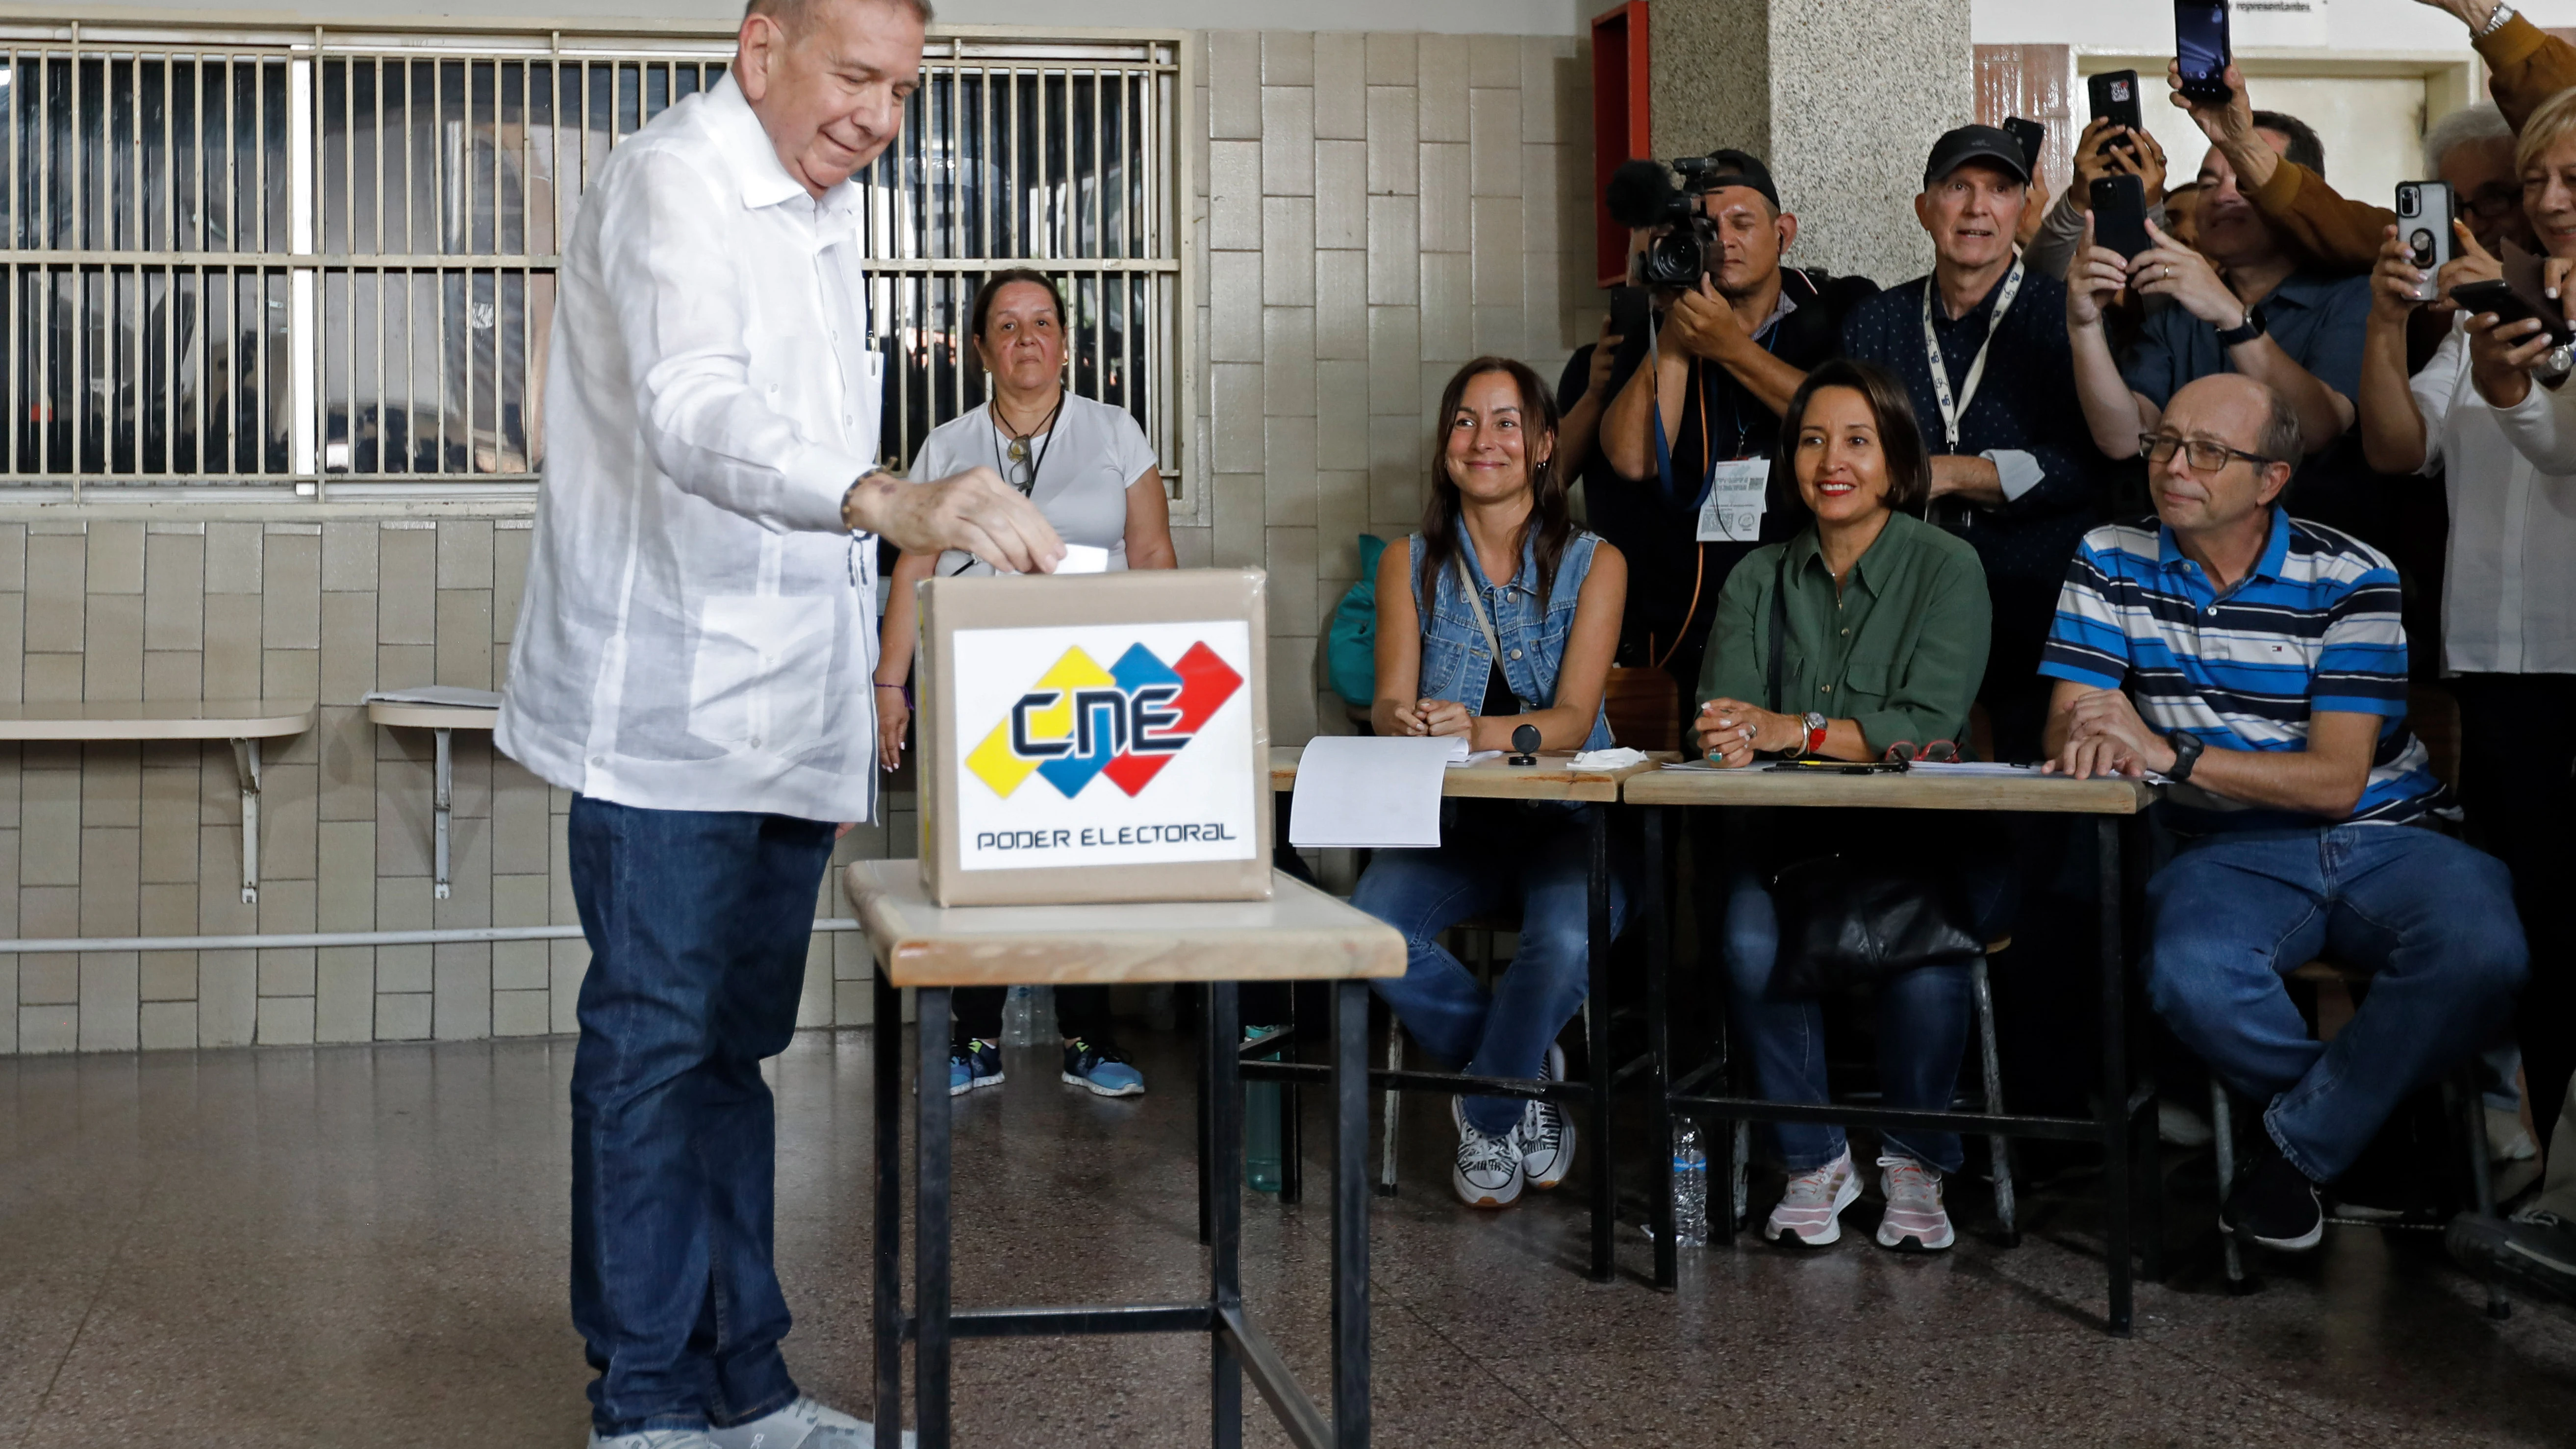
<point>1371,791</point>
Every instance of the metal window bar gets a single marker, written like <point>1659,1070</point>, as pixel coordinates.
<point>166,329</point>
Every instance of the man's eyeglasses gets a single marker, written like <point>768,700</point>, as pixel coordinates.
<point>2205,456</point>
<point>2495,202</point>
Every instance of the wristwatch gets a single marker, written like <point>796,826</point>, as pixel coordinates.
<point>2495,22</point>
<point>1815,726</point>
<point>2186,747</point>
<point>2246,331</point>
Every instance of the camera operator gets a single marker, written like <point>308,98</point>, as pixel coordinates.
<point>1982,348</point>
<point>1686,441</point>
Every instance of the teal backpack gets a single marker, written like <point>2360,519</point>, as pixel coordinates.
<point>1350,651</point>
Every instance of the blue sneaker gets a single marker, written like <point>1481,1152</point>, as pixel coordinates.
<point>976,1064</point>
<point>1103,1070</point>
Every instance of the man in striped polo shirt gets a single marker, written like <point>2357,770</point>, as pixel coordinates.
<point>2258,662</point>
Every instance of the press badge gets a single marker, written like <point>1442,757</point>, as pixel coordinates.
<point>1737,489</point>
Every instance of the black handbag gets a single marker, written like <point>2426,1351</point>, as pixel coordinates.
<point>1848,921</point>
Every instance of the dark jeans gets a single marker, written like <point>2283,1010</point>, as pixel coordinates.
<point>2517,746</point>
<point>698,923</point>
<point>2430,918</point>
<point>1080,1011</point>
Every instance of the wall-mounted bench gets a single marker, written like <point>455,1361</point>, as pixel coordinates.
<point>441,709</point>
<point>244,722</point>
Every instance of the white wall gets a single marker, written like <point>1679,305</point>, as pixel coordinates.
<point>2350,25</point>
<point>1446,17</point>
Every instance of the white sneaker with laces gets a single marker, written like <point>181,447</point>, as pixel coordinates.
<point>1915,1221</point>
<point>1488,1172</point>
<point>805,1424</point>
<point>1810,1213</point>
<point>654,1439</point>
<point>1546,1135</point>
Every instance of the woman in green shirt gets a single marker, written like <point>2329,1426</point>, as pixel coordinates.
<point>1886,623</point>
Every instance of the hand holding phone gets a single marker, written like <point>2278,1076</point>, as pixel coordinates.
<point>2119,206</point>
<point>2032,135</point>
<point>2115,99</point>
<point>2509,305</point>
<point>2424,225</point>
<point>2202,50</point>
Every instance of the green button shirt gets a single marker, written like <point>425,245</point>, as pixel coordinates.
<point>1901,652</point>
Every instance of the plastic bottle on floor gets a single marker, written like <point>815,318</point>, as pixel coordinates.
<point>1690,1185</point>
<point>1261,1133</point>
<point>1019,1017</point>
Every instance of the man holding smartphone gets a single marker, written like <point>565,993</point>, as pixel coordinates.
<point>2106,148</point>
<point>1979,347</point>
<point>1686,442</point>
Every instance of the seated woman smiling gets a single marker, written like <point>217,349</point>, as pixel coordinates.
<point>1499,613</point>
<point>1882,625</point>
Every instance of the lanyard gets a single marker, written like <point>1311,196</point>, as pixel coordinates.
<point>1699,396</point>
<point>1952,411</point>
<point>993,421</point>
<point>1476,601</point>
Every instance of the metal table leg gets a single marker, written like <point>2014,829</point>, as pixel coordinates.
<point>1605,1206</point>
<point>1350,1216</point>
<point>1659,954</point>
<point>930,1217</point>
<point>2116,1115</point>
<point>443,802</point>
<point>1225,1203</point>
<point>246,765</point>
<point>888,1317</point>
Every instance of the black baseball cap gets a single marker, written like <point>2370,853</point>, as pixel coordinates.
<point>1740,168</point>
<point>1976,143</point>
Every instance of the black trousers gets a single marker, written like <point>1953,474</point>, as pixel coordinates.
<point>1080,1011</point>
<point>2517,747</point>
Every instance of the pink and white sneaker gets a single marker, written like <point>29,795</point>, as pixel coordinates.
<point>1810,1212</point>
<point>1915,1221</point>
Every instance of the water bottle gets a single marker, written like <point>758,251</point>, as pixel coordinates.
<point>1042,1027</point>
<point>1261,1133</point>
<point>1019,1017</point>
<point>1690,1185</point>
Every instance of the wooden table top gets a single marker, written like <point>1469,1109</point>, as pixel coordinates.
<point>1299,934</point>
<point>2031,793</point>
<point>151,719</point>
<point>1552,778</point>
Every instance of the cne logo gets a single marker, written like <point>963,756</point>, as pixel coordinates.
<point>1080,721</point>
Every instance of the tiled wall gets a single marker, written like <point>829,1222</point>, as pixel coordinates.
<point>1378,209</point>
<point>1374,210</point>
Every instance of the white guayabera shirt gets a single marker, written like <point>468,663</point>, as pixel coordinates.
<point>698,630</point>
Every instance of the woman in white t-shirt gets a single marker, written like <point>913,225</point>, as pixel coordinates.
<point>1088,468</point>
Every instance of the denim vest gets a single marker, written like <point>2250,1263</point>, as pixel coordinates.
<point>1456,665</point>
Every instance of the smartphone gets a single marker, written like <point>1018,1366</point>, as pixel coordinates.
<point>2032,136</point>
<point>2115,99</point>
<point>2424,220</point>
<point>2120,214</point>
<point>2200,45</point>
<point>1629,307</point>
<point>2508,303</point>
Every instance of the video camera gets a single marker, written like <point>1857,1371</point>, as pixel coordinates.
<point>1641,197</point>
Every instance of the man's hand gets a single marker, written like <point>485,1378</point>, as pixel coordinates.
<point>2473,13</point>
<point>2170,269</point>
<point>1605,359</point>
<point>1704,324</point>
<point>2033,212</point>
<point>2107,149</point>
<point>2105,737</point>
<point>974,511</point>
<point>2469,263</point>
<point>2093,278</point>
<point>1730,731</point>
<point>2229,127</point>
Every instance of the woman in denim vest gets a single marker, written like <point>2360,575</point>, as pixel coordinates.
<point>1499,613</point>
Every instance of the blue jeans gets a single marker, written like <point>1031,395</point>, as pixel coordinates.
<point>697,923</point>
<point>1922,1030</point>
<point>2432,918</point>
<point>1488,858</point>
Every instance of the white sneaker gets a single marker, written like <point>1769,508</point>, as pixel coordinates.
<point>805,1424</point>
<point>1810,1214</point>
<point>1488,1174</point>
<point>1915,1221</point>
<point>1546,1135</point>
<point>655,1439</point>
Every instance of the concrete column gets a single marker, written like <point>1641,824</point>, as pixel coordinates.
<point>1842,98</point>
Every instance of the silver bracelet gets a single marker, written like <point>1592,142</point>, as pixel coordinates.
<point>2495,22</point>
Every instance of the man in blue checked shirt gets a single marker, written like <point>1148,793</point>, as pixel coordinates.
<point>2257,662</point>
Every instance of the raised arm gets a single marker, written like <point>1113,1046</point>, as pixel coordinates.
<point>1149,523</point>
<point>2526,65</point>
<point>2392,426</point>
<point>2170,269</point>
<point>2114,413</point>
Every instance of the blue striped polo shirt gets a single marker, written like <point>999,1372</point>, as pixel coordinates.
<point>2313,628</point>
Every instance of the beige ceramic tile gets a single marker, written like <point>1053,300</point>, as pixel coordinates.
<point>345,880</point>
<point>1234,399</point>
<point>1341,516</point>
<point>1393,278</point>
<point>1292,689</point>
<point>232,647</point>
<point>49,815</point>
<point>1288,251</point>
<point>1341,194</point>
<point>1234,195</point>
<point>286,1021</point>
<point>170,976</point>
<point>1292,579</point>
<point>169,815</point>
<point>407,592</point>
<point>400,666</point>
<point>112,666</point>
<point>1494,142</point>
<point>1445,216</point>
<point>1287,57</point>
<point>111,783</point>
<point>344,994</point>
<point>109,881</point>
<point>1440,74</point>
<point>1234,84</point>
<point>291,599</point>
<point>53,678</point>
<point>1446,331</point>
<point>1234,307</point>
<point>1395,354</point>
<point>346,672</point>
<point>1555,91</point>
<point>111,1002</point>
<point>1341,410</point>
<point>1498,251</point>
<point>1341,85</point>
<point>220,909</point>
<point>402,1017</point>
<point>509,581</point>
<point>1237,536</point>
<point>227,998</point>
<point>465,637</point>
<point>1288,361</point>
<point>169,1025</point>
<point>465,553</point>
<point>349,556</point>
<point>174,587</point>
<point>461,992</point>
<point>1288,480</point>
<point>1394,152</point>
<point>56,563</point>
<point>293,675</point>
<point>13,557</point>
<point>1397,450</point>
<point>115,557</point>
<point>46,1029</point>
<point>521,1013</point>
<point>1341,305</point>
<point>1390,58</point>
<point>1287,140</point>
<point>232,567</point>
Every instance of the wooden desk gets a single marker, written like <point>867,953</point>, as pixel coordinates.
<point>1300,933</point>
<point>2112,803</point>
<point>244,722</point>
<point>442,721</point>
<point>1552,778</point>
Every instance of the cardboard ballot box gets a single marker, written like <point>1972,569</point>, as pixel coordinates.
<point>1095,738</point>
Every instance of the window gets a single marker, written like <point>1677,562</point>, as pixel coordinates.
<point>322,263</point>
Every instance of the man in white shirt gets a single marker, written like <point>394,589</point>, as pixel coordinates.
<point>693,661</point>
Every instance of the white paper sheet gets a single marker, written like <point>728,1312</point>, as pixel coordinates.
<point>1615,758</point>
<point>1082,558</point>
<point>1970,767</point>
<point>455,695</point>
<point>1370,791</point>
